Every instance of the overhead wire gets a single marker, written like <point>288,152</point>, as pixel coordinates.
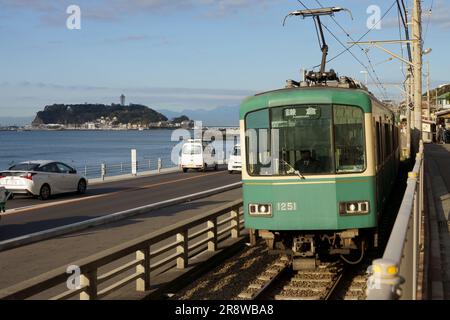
<point>376,81</point>
<point>359,61</point>
<point>400,17</point>
<point>404,16</point>
<point>362,49</point>
<point>360,38</point>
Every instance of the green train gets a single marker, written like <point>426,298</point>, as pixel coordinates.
<point>318,164</point>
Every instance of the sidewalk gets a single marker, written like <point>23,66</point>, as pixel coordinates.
<point>437,167</point>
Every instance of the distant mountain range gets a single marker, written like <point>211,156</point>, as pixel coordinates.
<point>15,121</point>
<point>220,116</point>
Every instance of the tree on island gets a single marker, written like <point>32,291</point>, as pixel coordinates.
<point>77,114</point>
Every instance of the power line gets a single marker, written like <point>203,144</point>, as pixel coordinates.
<point>404,17</point>
<point>362,49</point>
<point>383,93</point>
<point>399,14</point>
<point>365,34</point>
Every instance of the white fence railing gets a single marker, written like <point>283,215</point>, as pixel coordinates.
<point>395,275</point>
<point>103,170</point>
<point>139,260</point>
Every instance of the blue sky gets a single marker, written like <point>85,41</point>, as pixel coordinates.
<point>185,54</point>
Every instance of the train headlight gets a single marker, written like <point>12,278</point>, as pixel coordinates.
<point>354,207</point>
<point>260,209</point>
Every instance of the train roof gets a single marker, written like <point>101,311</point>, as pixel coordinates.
<point>307,95</point>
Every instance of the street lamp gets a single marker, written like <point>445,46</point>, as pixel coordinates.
<point>390,59</point>
<point>427,51</point>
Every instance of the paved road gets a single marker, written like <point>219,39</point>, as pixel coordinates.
<point>26,262</point>
<point>30,215</point>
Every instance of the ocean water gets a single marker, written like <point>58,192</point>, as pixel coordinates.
<point>91,148</point>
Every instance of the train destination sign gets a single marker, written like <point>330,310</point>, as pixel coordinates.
<point>310,112</point>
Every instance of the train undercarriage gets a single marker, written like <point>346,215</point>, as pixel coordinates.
<point>307,249</point>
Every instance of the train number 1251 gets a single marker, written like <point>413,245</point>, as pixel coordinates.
<point>286,206</point>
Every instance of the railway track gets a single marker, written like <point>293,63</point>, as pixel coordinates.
<point>354,284</point>
<point>253,274</point>
<point>266,279</point>
<point>279,282</point>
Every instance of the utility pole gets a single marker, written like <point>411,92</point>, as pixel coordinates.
<point>411,93</point>
<point>408,112</point>
<point>415,81</point>
<point>430,137</point>
<point>417,69</point>
<point>428,91</point>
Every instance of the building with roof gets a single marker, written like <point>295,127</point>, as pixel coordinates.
<point>444,101</point>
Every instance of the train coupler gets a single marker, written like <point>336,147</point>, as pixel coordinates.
<point>304,246</point>
<point>304,254</point>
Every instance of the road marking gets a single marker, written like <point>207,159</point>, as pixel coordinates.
<point>53,204</point>
<point>184,179</point>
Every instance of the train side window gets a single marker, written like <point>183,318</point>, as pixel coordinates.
<point>396,138</point>
<point>389,139</point>
<point>393,138</point>
<point>378,136</point>
<point>386,141</point>
<point>383,143</point>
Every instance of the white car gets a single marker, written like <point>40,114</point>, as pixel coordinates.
<point>42,179</point>
<point>235,161</point>
<point>198,154</point>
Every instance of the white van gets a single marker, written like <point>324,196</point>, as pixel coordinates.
<point>235,161</point>
<point>198,154</point>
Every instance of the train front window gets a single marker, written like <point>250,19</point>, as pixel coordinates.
<point>304,139</point>
<point>311,139</point>
<point>349,139</point>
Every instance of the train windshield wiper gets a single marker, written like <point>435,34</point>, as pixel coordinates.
<point>297,172</point>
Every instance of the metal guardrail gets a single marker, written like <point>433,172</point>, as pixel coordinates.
<point>192,237</point>
<point>395,275</point>
<point>103,170</point>
<point>78,226</point>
